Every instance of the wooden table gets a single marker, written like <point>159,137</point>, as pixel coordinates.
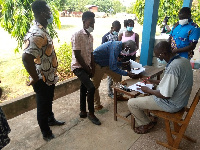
<point>150,71</point>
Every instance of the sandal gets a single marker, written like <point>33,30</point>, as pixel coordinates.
<point>144,128</point>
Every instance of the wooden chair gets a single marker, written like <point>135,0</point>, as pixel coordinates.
<point>180,122</point>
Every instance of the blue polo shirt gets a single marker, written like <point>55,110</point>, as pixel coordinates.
<point>182,36</point>
<point>107,55</point>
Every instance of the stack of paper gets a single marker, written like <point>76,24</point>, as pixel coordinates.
<point>134,65</point>
<point>134,86</point>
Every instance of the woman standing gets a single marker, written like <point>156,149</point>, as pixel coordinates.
<point>129,35</point>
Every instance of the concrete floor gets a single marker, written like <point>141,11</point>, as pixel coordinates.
<point>81,134</point>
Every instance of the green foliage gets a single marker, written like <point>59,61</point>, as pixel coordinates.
<point>103,5</point>
<point>60,4</point>
<point>196,12</point>
<point>166,8</point>
<point>64,56</point>
<point>117,6</point>
<point>17,17</point>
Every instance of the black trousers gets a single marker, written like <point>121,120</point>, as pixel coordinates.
<point>44,98</point>
<point>87,89</point>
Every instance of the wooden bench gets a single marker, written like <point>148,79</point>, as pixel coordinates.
<point>180,120</point>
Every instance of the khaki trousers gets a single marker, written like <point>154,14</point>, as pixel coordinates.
<point>99,72</point>
<point>137,106</point>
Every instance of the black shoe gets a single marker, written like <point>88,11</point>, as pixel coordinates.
<point>56,123</point>
<point>83,114</point>
<point>48,137</point>
<point>94,120</point>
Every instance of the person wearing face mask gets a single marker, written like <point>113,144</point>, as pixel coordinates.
<point>184,35</point>
<point>129,35</point>
<point>165,29</point>
<point>172,93</point>
<point>83,65</point>
<point>106,62</point>
<point>111,36</point>
<point>40,61</point>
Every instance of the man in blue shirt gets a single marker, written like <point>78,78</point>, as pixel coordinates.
<point>185,34</point>
<point>106,61</point>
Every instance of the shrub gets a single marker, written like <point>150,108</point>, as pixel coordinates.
<point>64,56</point>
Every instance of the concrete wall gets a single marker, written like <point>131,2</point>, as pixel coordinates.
<point>20,105</point>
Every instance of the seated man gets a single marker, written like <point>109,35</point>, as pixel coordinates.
<point>106,61</point>
<point>172,93</point>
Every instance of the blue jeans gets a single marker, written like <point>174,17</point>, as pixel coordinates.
<point>87,89</point>
<point>44,98</point>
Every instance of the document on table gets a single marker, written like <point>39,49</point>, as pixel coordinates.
<point>133,65</point>
<point>134,86</point>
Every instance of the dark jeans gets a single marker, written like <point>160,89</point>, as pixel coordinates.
<point>44,98</point>
<point>86,89</point>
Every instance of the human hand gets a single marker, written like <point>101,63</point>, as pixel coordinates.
<point>32,82</point>
<point>143,88</point>
<point>133,76</point>
<point>146,80</point>
<point>126,64</point>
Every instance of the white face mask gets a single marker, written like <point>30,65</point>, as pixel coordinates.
<point>90,29</point>
<point>161,61</point>
<point>163,23</point>
<point>183,21</point>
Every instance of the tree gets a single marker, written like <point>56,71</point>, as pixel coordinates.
<point>166,8</point>
<point>103,5</point>
<point>60,4</point>
<point>117,6</point>
<point>17,17</point>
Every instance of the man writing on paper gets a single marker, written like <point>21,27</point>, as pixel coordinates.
<point>172,93</point>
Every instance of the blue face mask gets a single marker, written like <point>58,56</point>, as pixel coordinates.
<point>50,20</point>
<point>161,61</point>
<point>129,28</point>
<point>115,33</point>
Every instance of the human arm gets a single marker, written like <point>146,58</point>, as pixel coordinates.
<point>92,64</point>
<point>167,28</point>
<point>185,49</point>
<point>137,40</point>
<point>150,81</point>
<point>120,36</point>
<point>104,39</point>
<point>81,61</point>
<point>28,61</point>
<point>152,92</point>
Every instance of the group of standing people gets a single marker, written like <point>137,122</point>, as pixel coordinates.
<point>111,57</point>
